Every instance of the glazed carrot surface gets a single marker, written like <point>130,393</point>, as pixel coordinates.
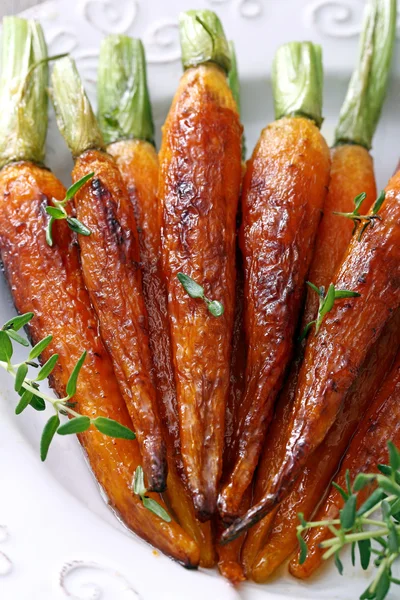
<point>312,484</point>
<point>110,264</point>
<point>48,282</point>
<point>370,267</point>
<point>367,450</point>
<point>199,185</point>
<point>229,563</point>
<point>283,193</point>
<point>138,162</point>
<point>351,173</point>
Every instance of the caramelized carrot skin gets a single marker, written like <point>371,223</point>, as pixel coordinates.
<point>371,268</point>
<point>48,282</point>
<point>351,173</point>
<point>229,555</point>
<point>137,161</point>
<point>229,564</point>
<point>367,449</point>
<point>322,464</point>
<point>199,185</point>
<point>333,358</point>
<point>283,193</point>
<point>110,265</point>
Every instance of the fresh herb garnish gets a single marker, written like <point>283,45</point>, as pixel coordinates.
<point>358,529</point>
<point>30,395</point>
<point>151,505</point>
<point>57,211</point>
<point>326,304</point>
<point>197,291</point>
<point>367,220</point>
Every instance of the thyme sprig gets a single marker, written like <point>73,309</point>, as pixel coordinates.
<point>359,528</point>
<point>197,291</point>
<point>30,394</point>
<point>326,303</point>
<point>366,220</point>
<point>140,489</point>
<point>57,211</point>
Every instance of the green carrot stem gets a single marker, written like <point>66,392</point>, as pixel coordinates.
<point>234,84</point>
<point>297,79</point>
<point>75,117</point>
<point>23,96</point>
<point>233,75</point>
<point>367,89</point>
<point>124,109</point>
<point>203,39</point>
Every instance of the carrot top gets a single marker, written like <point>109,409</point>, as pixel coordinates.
<point>203,39</point>
<point>124,109</point>
<point>297,79</point>
<point>75,117</point>
<point>22,98</point>
<point>367,89</point>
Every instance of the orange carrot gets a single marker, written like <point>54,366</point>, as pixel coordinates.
<point>283,192</point>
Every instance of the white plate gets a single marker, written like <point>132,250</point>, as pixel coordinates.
<point>57,537</point>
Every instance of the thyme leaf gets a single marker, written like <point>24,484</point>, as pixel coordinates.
<point>140,490</point>
<point>57,211</point>
<point>326,303</point>
<point>195,290</point>
<point>364,221</point>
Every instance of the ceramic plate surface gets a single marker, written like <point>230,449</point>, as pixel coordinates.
<point>58,539</point>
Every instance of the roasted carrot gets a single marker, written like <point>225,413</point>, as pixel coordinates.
<point>283,193</point>
<point>48,282</point>
<point>321,466</point>
<point>367,450</point>
<point>199,184</point>
<point>122,92</point>
<point>371,268</point>
<point>111,264</point>
<point>351,173</point>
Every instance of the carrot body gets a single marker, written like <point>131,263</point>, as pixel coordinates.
<point>283,193</point>
<point>199,185</point>
<point>367,449</point>
<point>333,357</point>
<point>110,264</point>
<point>48,282</point>
<point>351,173</point>
<point>138,163</point>
<point>311,486</point>
<point>229,554</point>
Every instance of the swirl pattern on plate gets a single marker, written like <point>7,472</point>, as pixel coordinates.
<point>75,584</point>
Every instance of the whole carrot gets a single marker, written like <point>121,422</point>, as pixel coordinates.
<point>351,173</point>
<point>367,450</point>
<point>199,185</point>
<point>110,263</point>
<point>334,355</point>
<point>48,282</point>
<point>283,193</point>
<point>129,135</point>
